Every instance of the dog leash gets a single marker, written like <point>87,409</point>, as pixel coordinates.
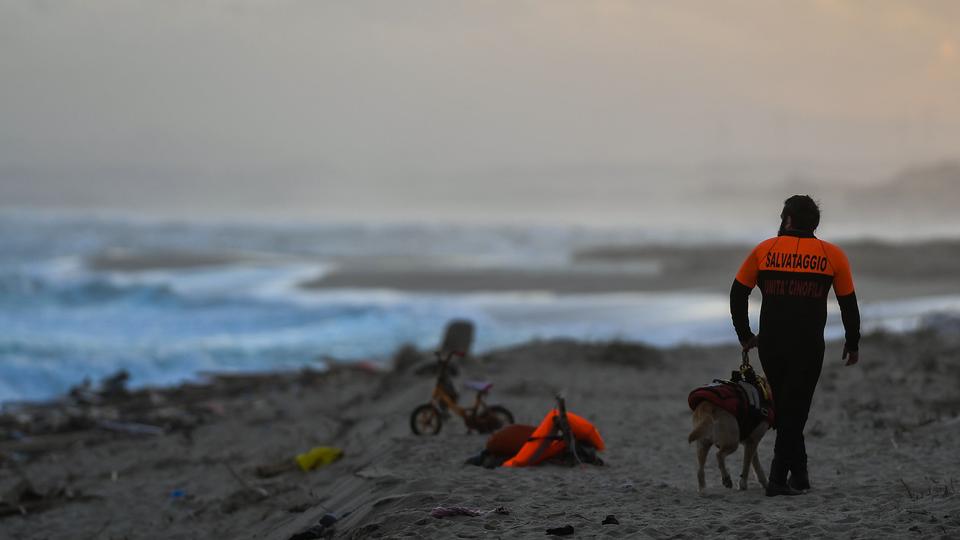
<point>745,361</point>
<point>750,375</point>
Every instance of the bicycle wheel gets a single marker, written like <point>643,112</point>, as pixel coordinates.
<point>426,420</point>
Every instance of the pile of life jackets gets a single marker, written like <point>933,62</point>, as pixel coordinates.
<point>749,403</point>
<point>529,445</point>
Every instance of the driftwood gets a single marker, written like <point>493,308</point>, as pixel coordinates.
<point>89,415</point>
<point>40,444</point>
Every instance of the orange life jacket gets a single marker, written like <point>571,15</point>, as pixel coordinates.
<point>582,431</point>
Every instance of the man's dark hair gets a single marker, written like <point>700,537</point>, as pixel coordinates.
<point>803,211</point>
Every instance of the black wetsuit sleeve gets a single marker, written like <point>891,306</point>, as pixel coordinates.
<point>739,295</point>
<point>850,314</point>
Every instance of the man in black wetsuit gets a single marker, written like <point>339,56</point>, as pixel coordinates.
<point>794,271</point>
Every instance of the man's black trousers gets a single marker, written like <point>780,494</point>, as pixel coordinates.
<point>792,368</point>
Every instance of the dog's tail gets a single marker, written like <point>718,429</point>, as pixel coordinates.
<point>703,418</point>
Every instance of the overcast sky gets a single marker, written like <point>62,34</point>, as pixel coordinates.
<point>393,108</point>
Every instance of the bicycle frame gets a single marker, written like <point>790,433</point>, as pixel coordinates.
<point>428,418</point>
<point>440,395</point>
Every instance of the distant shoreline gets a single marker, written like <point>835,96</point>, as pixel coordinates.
<point>882,271</point>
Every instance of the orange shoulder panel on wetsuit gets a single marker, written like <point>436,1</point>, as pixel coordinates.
<point>747,275</point>
<point>842,275</point>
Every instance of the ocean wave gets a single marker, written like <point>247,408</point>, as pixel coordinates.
<point>62,321</point>
<point>30,291</point>
<point>48,350</point>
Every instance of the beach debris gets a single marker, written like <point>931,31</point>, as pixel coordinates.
<point>115,385</point>
<point>178,495</point>
<point>561,435</point>
<point>46,436</point>
<point>449,511</point>
<point>610,520</point>
<point>428,418</point>
<point>111,387</point>
<point>323,528</point>
<point>318,456</point>
<point>502,445</point>
<point>406,357</point>
<point>566,530</point>
<point>83,393</point>
<point>93,414</point>
<point>458,339</point>
<point>40,444</point>
<point>368,367</point>
<point>431,369</point>
<point>24,499</point>
<point>458,336</point>
<point>509,440</point>
<point>479,460</point>
<point>486,460</point>
<point>315,458</point>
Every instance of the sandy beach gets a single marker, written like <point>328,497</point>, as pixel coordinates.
<point>882,439</point>
<point>233,235</point>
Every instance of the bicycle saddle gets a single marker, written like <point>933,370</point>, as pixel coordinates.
<point>479,386</point>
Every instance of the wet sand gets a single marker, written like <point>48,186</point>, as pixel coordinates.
<point>882,439</point>
<point>133,261</point>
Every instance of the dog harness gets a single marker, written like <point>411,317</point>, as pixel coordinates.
<point>745,401</point>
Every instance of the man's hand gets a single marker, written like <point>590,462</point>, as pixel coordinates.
<point>852,357</point>
<point>750,343</point>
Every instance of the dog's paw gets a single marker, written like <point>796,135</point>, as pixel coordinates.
<point>743,485</point>
<point>727,482</point>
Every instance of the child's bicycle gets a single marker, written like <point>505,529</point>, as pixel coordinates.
<point>427,419</point>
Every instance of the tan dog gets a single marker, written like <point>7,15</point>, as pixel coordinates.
<point>713,426</point>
